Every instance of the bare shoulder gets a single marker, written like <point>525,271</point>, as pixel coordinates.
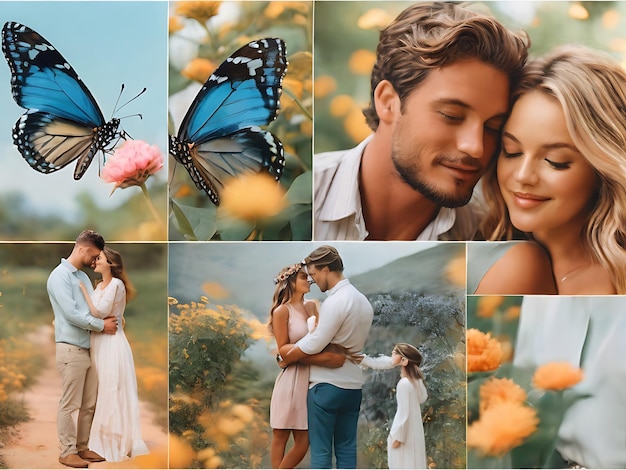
<point>281,312</point>
<point>524,269</point>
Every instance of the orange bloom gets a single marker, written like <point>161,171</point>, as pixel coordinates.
<point>487,305</point>
<point>483,352</point>
<point>198,10</point>
<point>252,197</point>
<point>495,391</point>
<point>556,376</point>
<point>501,428</point>
<point>198,69</point>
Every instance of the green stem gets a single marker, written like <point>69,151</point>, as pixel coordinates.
<point>300,105</point>
<point>144,190</point>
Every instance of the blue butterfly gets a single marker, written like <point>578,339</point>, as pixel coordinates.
<point>63,122</point>
<point>220,136</point>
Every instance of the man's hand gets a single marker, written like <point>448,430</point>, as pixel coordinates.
<point>110,325</point>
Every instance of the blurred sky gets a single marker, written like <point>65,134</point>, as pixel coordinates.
<point>108,44</point>
<point>247,269</point>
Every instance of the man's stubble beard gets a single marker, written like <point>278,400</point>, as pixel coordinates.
<point>411,175</point>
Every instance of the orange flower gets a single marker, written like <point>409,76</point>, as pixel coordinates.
<point>483,352</point>
<point>252,197</point>
<point>495,391</point>
<point>198,69</point>
<point>501,428</point>
<point>362,61</point>
<point>556,376</point>
<point>199,10</point>
<point>487,305</point>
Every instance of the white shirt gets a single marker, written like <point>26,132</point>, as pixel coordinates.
<point>338,209</point>
<point>345,318</point>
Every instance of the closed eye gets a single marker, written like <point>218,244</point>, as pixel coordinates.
<point>558,165</point>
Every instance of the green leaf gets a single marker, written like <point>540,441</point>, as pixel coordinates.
<point>193,222</point>
<point>301,189</point>
<point>301,224</point>
<point>234,230</point>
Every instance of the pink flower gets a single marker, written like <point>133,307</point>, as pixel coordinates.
<point>132,163</point>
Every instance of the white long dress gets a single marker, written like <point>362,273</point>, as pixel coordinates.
<point>407,424</point>
<point>407,427</point>
<point>115,431</point>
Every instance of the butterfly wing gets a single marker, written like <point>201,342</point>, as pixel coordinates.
<point>221,129</point>
<point>57,100</point>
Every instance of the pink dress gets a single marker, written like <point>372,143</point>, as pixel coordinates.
<point>288,404</point>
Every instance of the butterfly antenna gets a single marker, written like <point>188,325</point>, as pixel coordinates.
<point>116,109</point>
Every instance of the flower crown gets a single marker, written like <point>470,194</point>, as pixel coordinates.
<point>287,272</point>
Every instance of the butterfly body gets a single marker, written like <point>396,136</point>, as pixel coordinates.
<point>220,136</point>
<point>63,122</point>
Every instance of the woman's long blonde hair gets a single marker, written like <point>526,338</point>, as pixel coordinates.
<point>591,88</point>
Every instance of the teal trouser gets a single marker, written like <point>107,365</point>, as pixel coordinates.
<point>333,414</point>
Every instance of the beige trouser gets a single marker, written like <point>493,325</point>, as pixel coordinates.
<point>80,389</point>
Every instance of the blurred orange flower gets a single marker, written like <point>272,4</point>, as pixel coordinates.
<point>501,428</point>
<point>181,453</point>
<point>362,61</point>
<point>483,352</point>
<point>198,69</point>
<point>375,18</point>
<point>324,86</point>
<point>200,11</point>
<point>341,105</point>
<point>253,197</point>
<point>556,376</point>
<point>487,305</point>
<point>495,391</point>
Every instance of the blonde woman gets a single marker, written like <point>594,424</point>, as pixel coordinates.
<point>560,180</point>
<point>289,321</point>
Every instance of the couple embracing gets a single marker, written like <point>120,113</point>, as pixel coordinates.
<point>317,395</point>
<point>93,357</point>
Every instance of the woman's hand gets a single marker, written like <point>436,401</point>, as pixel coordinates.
<point>396,444</point>
<point>83,288</point>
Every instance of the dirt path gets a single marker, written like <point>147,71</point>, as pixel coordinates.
<point>36,444</point>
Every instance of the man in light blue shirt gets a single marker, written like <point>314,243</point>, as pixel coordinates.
<point>73,323</point>
<point>334,397</point>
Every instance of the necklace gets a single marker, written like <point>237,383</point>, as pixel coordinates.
<point>564,278</point>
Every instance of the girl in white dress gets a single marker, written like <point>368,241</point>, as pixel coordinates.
<point>115,431</point>
<point>406,447</point>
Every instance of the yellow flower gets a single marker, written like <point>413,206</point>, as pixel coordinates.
<point>252,197</point>
<point>355,125</point>
<point>556,376</point>
<point>181,453</point>
<point>455,270</point>
<point>375,18</point>
<point>495,391</point>
<point>501,428</point>
<point>198,69</point>
<point>483,352</point>
<point>215,290</point>
<point>199,10</point>
<point>174,24</point>
<point>362,61</point>
<point>341,105</point>
<point>324,86</point>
